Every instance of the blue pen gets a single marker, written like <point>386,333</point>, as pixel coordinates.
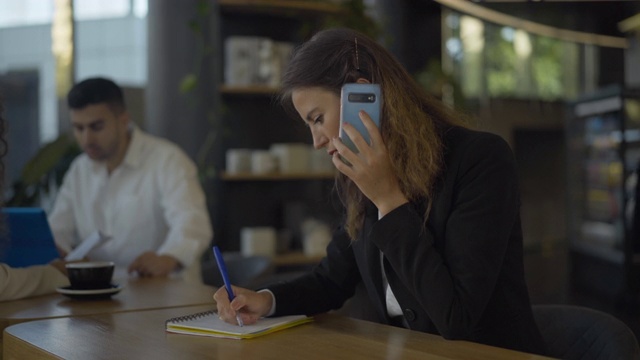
<point>225,278</point>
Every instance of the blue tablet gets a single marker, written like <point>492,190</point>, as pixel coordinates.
<point>26,237</point>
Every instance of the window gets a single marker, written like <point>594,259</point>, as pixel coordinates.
<point>100,9</point>
<point>25,12</point>
<point>490,60</point>
<point>37,12</point>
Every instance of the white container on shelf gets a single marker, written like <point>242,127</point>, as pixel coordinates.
<point>292,158</point>
<point>316,237</point>
<point>260,241</point>
<point>263,162</point>
<point>238,161</point>
<point>251,60</point>
<point>320,161</point>
<point>283,52</point>
<point>241,59</point>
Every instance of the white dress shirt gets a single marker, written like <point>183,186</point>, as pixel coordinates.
<point>151,202</point>
<point>393,307</point>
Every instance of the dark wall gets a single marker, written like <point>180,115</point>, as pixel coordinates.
<point>174,52</point>
<point>411,31</point>
<point>19,90</point>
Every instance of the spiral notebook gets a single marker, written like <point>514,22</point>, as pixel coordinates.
<point>208,324</point>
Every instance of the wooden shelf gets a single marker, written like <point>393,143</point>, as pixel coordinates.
<point>248,90</point>
<point>291,8</point>
<point>296,259</point>
<point>290,21</point>
<point>276,176</point>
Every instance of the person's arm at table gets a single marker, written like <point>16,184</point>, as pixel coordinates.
<point>18,283</point>
<point>150,264</point>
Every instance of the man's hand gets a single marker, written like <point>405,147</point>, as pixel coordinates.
<point>150,264</point>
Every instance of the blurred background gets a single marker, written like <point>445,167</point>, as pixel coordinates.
<point>559,80</point>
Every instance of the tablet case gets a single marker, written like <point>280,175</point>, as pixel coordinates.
<point>26,237</point>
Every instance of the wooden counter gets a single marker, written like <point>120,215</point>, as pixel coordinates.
<point>141,335</point>
<point>137,294</point>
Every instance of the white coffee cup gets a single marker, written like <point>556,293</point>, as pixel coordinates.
<point>258,241</point>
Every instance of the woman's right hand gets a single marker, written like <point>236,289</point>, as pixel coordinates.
<point>248,304</point>
<point>370,168</point>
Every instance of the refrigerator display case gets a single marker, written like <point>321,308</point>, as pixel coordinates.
<point>603,142</point>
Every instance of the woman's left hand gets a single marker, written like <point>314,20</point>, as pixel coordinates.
<point>370,168</point>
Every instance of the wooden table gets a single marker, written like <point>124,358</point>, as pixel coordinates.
<point>137,294</point>
<point>141,335</point>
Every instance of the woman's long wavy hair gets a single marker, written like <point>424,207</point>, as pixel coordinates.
<point>412,122</point>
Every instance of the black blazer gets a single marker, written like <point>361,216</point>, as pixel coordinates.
<point>461,277</point>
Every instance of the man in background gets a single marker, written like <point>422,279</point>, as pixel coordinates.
<point>140,190</point>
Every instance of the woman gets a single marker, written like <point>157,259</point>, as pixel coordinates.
<point>432,225</point>
<point>33,280</point>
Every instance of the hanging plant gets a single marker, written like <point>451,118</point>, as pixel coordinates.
<point>200,25</point>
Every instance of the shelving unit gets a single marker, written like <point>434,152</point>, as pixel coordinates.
<point>248,90</point>
<point>603,138</point>
<point>295,259</point>
<point>252,120</point>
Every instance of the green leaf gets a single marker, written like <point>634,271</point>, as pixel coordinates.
<point>188,83</point>
<point>194,26</point>
<point>45,159</point>
<point>203,8</point>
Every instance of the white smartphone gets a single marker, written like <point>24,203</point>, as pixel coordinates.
<point>353,98</point>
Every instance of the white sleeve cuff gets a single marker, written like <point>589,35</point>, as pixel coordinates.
<point>273,302</point>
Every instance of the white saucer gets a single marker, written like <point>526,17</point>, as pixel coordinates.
<point>90,294</point>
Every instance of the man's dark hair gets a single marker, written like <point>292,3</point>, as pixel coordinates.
<point>96,91</point>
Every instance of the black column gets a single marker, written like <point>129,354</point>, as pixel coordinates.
<point>411,31</point>
<point>175,51</point>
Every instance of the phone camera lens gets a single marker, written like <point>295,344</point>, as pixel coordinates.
<point>362,97</point>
